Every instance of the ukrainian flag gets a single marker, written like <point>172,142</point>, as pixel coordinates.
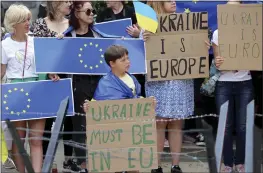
<point>3,150</point>
<point>146,17</point>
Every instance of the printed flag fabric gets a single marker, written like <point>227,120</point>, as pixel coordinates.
<point>146,17</point>
<point>35,100</point>
<point>84,55</point>
<point>115,27</point>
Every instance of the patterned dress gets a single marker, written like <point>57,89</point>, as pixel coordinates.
<point>40,29</point>
<point>175,98</point>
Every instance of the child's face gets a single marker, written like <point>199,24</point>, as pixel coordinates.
<point>121,65</point>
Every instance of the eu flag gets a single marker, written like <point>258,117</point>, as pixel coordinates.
<point>35,100</point>
<point>83,55</point>
<point>115,27</point>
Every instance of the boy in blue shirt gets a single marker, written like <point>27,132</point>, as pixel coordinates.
<point>118,83</point>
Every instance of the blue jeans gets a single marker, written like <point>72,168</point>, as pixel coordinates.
<point>239,95</point>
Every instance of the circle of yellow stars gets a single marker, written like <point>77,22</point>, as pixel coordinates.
<point>5,101</point>
<point>84,63</point>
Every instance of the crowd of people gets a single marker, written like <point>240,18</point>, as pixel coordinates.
<point>174,99</point>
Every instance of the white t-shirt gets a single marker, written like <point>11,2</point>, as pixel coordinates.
<point>13,54</point>
<point>241,75</point>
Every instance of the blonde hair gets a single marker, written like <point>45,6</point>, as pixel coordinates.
<point>158,6</point>
<point>15,14</point>
<point>52,9</point>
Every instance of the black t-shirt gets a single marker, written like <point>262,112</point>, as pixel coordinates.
<point>84,85</point>
<point>108,15</point>
<point>88,34</point>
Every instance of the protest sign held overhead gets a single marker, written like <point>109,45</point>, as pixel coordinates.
<point>178,50</point>
<point>84,55</point>
<point>35,100</point>
<point>121,135</point>
<point>240,36</point>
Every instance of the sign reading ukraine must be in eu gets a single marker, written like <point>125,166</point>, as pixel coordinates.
<point>35,100</point>
<point>121,136</point>
<point>84,55</point>
<point>178,49</point>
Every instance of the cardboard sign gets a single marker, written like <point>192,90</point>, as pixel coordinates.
<point>240,36</point>
<point>121,135</point>
<point>178,50</point>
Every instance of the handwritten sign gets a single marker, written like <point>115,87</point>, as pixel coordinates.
<point>121,135</point>
<point>240,36</point>
<point>178,50</point>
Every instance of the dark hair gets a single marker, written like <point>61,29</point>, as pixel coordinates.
<point>115,52</point>
<point>73,20</point>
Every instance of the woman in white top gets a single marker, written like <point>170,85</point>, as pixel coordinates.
<point>237,88</point>
<point>18,65</point>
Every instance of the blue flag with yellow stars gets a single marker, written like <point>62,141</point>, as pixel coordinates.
<point>35,100</point>
<point>115,27</point>
<point>84,55</point>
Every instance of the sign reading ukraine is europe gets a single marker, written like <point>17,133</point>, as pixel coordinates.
<point>84,55</point>
<point>35,100</point>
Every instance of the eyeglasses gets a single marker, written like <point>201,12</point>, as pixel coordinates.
<point>89,11</point>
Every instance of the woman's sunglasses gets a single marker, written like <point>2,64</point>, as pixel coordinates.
<point>89,11</point>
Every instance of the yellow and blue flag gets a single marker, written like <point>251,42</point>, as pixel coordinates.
<point>84,55</point>
<point>146,16</point>
<point>4,150</point>
<point>35,100</point>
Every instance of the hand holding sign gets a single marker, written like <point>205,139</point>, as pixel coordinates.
<point>219,61</point>
<point>146,35</point>
<point>133,31</point>
<point>208,44</point>
<point>53,77</point>
<point>154,101</point>
<point>86,106</point>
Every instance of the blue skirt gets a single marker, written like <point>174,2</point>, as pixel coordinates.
<point>175,98</point>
